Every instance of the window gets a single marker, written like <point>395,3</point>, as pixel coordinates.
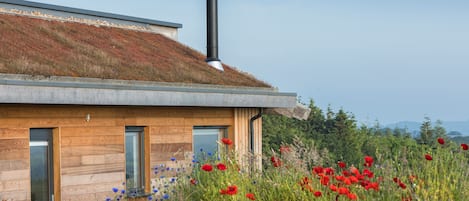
<point>134,160</point>
<point>205,139</point>
<point>41,163</point>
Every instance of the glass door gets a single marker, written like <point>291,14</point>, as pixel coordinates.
<point>41,165</point>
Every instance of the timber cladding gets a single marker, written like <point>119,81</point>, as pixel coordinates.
<point>14,164</point>
<point>89,153</point>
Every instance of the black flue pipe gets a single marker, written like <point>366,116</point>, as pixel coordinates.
<point>212,31</point>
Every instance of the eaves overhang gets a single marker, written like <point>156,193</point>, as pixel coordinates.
<point>27,89</point>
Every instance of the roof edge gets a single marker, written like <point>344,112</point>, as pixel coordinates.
<point>24,89</point>
<point>81,82</point>
<point>91,13</point>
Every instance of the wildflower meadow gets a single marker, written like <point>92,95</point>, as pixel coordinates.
<point>294,172</point>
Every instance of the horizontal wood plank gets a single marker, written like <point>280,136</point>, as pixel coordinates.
<point>92,131</point>
<point>91,188</point>
<point>92,140</point>
<point>71,180</point>
<point>171,147</point>
<point>20,154</point>
<point>92,150</point>
<point>14,133</point>
<point>14,175</point>
<point>94,169</point>
<point>14,143</point>
<point>7,165</point>
<point>21,195</point>
<point>14,185</point>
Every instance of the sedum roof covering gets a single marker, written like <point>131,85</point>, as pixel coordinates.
<point>34,46</point>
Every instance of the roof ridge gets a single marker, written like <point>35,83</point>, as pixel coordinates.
<point>90,13</point>
<point>97,22</point>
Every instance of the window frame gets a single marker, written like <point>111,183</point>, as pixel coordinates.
<point>36,137</point>
<point>223,134</point>
<point>140,190</point>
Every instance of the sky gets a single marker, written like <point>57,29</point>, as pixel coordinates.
<point>385,61</point>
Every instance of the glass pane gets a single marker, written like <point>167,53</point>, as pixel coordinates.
<point>39,174</point>
<point>132,156</point>
<point>205,141</point>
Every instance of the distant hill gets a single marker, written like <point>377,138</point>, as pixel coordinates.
<point>455,128</point>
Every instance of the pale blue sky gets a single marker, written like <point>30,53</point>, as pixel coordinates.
<point>385,60</point>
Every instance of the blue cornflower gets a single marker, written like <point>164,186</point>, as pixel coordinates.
<point>161,177</point>
<point>173,158</point>
<point>201,149</point>
<point>165,196</point>
<point>167,169</point>
<point>150,197</point>
<point>155,190</point>
<point>115,190</point>
<point>123,191</point>
<point>118,199</point>
<point>209,153</point>
<point>173,180</point>
<point>108,199</point>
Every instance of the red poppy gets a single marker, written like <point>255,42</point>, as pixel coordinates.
<point>230,190</point>
<point>207,167</point>
<point>397,180</point>
<point>221,166</point>
<point>353,179</point>
<point>193,181</point>
<point>333,187</point>
<point>339,178</point>
<point>227,141</point>
<point>464,147</point>
<point>354,170</point>
<point>284,149</point>
<point>351,196</point>
<point>318,169</point>
<point>368,161</point>
<point>347,181</point>
<point>441,140</point>
<point>329,171</point>
<point>343,190</point>
<point>325,180</point>
<point>368,173</point>
<point>341,164</point>
<point>275,161</point>
<point>428,157</point>
<point>317,194</point>
<point>402,185</point>
<point>372,185</point>
<point>250,196</point>
<point>346,173</point>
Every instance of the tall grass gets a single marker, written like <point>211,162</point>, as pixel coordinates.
<point>297,172</point>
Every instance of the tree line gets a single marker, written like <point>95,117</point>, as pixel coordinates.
<point>339,137</point>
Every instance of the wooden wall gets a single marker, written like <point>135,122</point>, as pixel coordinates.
<point>242,117</point>
<point>14,164</point>
<point>91,157</point>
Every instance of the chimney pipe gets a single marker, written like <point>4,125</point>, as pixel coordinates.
<point>212,35</point>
